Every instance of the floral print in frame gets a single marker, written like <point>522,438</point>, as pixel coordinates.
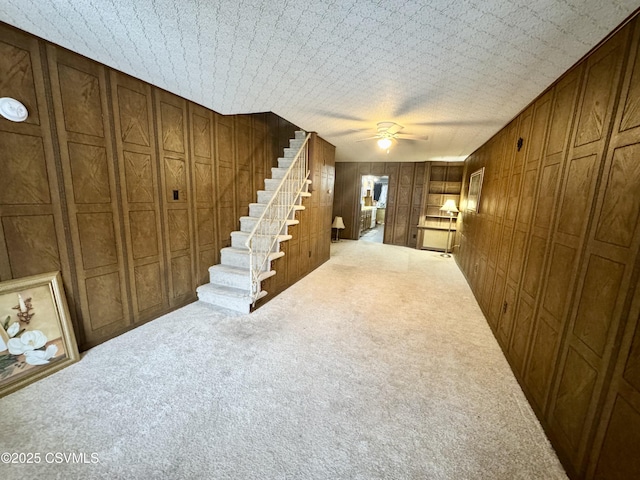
<point>36,334</point>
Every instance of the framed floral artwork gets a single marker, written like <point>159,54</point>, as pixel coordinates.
<point>36,335</point>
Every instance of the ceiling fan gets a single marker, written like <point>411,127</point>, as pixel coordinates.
<point>388,133</point>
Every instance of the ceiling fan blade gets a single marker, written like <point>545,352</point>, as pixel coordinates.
<point>407,136</point>
<point>460,123</point>
<point>347,132</point>
<point>338,115</point>
<point>382,127</point>
<point>368,138</point>
<point>395,128</point>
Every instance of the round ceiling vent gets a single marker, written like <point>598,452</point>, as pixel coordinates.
<point>13,110</point>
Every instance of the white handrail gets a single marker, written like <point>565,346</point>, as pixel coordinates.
<point>277,211</point>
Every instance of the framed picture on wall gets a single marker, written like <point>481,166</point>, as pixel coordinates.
<point>36,335</point>
<point>475,187</point>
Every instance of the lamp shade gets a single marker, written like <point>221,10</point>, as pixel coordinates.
<point>449,207</point>
<point>338,223</point>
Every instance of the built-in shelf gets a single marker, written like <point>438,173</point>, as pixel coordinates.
<point>444,182</point>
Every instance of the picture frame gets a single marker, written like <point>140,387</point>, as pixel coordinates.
<point>36,334</point>
<point>475,188</point>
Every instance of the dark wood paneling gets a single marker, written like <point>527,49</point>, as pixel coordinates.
<point>203,179</point>
<point>614,452</point>
<point>32,217</point>
<point>346,202</point>
<point>80,98</point>
<point>176,165</point>
<point>226,187</point>
<point>574,387</point>
<point>244,164</point>
<point>141,209</point>
<point>569,208</point>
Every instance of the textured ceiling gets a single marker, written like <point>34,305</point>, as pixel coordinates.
<point>452,71</point>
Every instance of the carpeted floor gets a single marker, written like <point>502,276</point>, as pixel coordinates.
<point>378,365</point>
<point>376,234</point>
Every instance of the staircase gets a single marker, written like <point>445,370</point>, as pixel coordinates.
<point>235,284</point>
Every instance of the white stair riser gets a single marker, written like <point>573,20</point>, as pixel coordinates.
<point>247,224</point>
<point>256,209</point>
<point>273,183</point>
<point>277,172</point>
<point>239,240</point>
<point>239,260</point>
<point>300,135</point>
<point>296,143</point>
<point>290,152</point>
<point>237,304</point>
<point>284,162</point>
<point>263,245</point>
<point>229,279</point>
<point>264,196</point>
<point>235,278</point>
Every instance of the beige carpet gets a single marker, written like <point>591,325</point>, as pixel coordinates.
<point>378,365</point>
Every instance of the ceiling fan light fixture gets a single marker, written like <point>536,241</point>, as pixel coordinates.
<point>384,143</point>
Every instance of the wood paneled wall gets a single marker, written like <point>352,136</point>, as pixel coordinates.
<point>552,257</point>
<point>129,190</point>
<point>405,201</point>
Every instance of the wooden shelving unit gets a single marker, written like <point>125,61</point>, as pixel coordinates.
<point>444,182</point>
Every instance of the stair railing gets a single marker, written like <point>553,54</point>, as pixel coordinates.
<point>278,210</point>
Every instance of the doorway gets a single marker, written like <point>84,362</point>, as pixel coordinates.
<point>373,204</point>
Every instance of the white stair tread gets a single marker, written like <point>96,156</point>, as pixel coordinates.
<point>232,270</point>
<point>239,293</point>
<point>289,222</point>
<point>256,218</point>
<point>281,238</point>
<point>226,291</point>
<point>297,207</point>
<point>244,251</point>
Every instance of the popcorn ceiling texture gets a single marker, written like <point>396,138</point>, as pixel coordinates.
<point>453,71</point>
<point>348,374</point>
